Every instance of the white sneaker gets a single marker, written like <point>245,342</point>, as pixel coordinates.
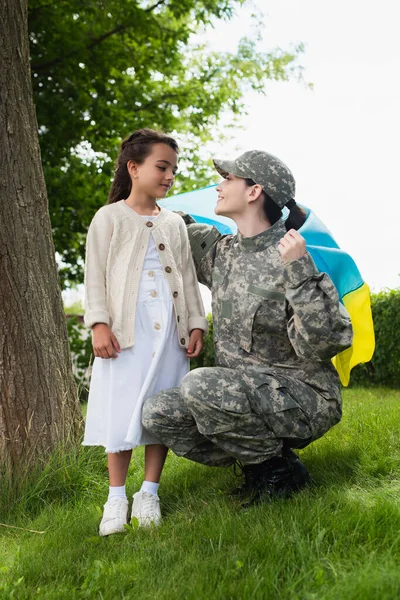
<point>146,509</point>
<point>115,516</point>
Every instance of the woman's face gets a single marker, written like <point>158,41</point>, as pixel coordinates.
<point>155,176</point>
<point>232,197</point>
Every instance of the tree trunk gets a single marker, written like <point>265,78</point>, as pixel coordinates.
<point>39,407</point>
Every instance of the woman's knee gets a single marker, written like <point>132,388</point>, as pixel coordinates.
<point>198,384</point>
<point>166,408</point>
<point>151,413</point>
<point>157,409</point>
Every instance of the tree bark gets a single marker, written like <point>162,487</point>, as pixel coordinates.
<point>39,407</point>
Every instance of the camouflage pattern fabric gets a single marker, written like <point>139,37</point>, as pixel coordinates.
<point>218,415</point>
<point>276,328</point>
<point>263,168</point>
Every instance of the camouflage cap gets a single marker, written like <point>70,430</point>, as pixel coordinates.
<point>267,170</point>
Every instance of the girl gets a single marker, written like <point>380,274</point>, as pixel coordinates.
<point>144,307</point>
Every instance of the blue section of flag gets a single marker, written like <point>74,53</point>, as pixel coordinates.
<point>328,257</point>
<point>200,205</point>
<point>222,228</point>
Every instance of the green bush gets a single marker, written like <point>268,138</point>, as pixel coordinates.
<point>384,367</point>
<point>206,358</point>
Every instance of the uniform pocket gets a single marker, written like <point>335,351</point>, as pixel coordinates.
<point>246,324</point>
<point>266,293</point>
<point>273,402</point>
<point>265,315</point>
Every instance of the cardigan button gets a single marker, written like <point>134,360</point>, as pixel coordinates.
<point>178,318</point>
<point>149,224</point>
<point>175,294</point>
<point>168,269</point>
<point>183,341</point>
<point>162,247</point>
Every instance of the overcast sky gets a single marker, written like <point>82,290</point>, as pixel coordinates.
<point>342,139</point>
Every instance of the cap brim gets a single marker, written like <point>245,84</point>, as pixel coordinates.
<point>224,167</point>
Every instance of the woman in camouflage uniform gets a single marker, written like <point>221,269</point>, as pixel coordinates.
<point>277,324</point>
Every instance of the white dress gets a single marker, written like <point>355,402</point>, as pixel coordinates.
<point>156,362</point>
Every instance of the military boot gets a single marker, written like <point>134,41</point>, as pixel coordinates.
<point>248,486</point>
<point>299,468</point>
<point>277,477</point>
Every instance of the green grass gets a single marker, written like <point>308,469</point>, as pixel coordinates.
<point>338,540</point>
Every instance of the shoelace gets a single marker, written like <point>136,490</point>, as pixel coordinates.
<point>149,503</point>
<point>115,502</point>
<point>238,468</point>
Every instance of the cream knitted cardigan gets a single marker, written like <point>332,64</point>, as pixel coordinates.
<point>116,245</point>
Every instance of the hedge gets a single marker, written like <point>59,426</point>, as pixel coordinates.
<point>384,369</point>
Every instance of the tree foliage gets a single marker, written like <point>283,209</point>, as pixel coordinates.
<point>102,68</point>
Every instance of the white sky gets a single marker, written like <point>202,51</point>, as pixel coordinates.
<point>342,139</point>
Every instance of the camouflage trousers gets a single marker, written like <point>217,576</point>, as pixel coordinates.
<point>218,415</point>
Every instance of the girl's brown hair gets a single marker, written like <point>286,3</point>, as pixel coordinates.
<point>296,217</point>
<point>136,147</point>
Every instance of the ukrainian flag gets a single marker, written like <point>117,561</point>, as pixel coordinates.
<point>353,292</point>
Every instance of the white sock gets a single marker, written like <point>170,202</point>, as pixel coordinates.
<point>116,491</point>
<point>150,487</point>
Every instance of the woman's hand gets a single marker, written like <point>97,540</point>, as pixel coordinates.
<point>105,344</point>
<point>195,343</point>
<point>292,246</point>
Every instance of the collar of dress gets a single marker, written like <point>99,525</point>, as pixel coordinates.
<point>140,220</point>
<point>263,240</point>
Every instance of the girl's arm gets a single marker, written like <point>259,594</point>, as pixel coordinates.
<point>319,326</point>
<point>97,248</point>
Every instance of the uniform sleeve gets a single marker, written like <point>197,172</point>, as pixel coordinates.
<point>97,248</point>
<point>319,326</point>
<point>194,302</point>
<point>203,242</point>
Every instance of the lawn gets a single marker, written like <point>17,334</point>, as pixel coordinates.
<point>338,540</point>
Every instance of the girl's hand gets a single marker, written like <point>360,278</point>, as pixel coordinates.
<point>105,344</point>
<point>292,246</point>
<point>195,343</point>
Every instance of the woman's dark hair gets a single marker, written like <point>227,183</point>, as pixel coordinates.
<point>296,217</point>
<point>136,147</point>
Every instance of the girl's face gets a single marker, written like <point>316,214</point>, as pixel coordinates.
<point>232,197</point>
<point>155,176</point>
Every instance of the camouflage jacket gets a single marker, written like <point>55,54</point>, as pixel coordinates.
<point>270,317</point>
